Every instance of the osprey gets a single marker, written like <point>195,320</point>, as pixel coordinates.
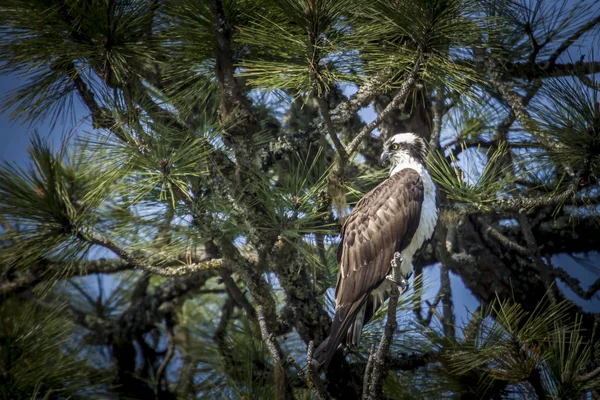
<point>389,224</point>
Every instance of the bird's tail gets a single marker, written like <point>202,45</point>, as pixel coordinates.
<point>323,353</point>
<point>343,318</point>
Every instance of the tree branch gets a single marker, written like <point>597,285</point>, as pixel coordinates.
<point>379,363</point>
<point>368,372</point>
<point>276,355</point>
<point>399,98</point>
<point>25,279</point>
<point>339,147</point>
<point>146,264</point>
<point>503,240</point>
<point>312,379</point>
<point>363,97</point>
<point>534,251</point>
<point>516,204</point>
<point>168,355</point>
<point>236,294</point>
<point>572,39</point>
<point>575,286</point>
<point>447,305</point>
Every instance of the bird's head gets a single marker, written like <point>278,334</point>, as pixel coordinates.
<point>403,148</point>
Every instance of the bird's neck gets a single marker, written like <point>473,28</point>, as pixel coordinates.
<point>407,162</point>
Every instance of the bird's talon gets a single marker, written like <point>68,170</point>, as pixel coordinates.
<point>402,284</point>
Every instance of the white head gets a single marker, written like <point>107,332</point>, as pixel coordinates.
<point>403,148</point>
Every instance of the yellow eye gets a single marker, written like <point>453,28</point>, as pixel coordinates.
<point>395,146</point>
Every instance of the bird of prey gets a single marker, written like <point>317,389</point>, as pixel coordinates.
<point>388,225</point>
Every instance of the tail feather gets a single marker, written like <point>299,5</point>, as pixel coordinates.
<point>343,318</point>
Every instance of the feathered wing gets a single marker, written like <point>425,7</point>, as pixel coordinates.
<point>382,223</point>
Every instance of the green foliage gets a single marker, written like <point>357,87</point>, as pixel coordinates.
<point>503,345</point>
<point>163,181</point>
<point>516,344</point>
<point>293,198</point>
<point>480,190</point>
<point>299,45</point>
<point>39,357</point>
<point>47,43</point>
<point>432,31</point>
<point>569,115</point>
<point>46,203</point>
<point>236,367</point>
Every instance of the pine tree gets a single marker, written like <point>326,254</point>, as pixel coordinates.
<point>183,245</point>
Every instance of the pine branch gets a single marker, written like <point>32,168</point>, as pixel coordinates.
<point>589,376</point>
<point>447,304</point>
<point>368,372</point>
<point>236,114</point>
<point>362,98</point>
<point>221,330</point>
<point>339,147</point>
<point>100,116</point>
<point>236,294</point>
<point>517,105</point>
<point>147,265</point>
<point>399,98</point>
<point>534,251</point>
<point>168,355</point>
<point>22,280</point>
<point>310,377</point>
<point>255,281</point>
<point>592,84</point>
<point>572,39</point>
<point>276,356</point>
<point>438,116</point>
<point>143,314</point>
<point>535,380</point>
<point>541,69</point>
<point>503,240</point>
<point>379,363</point>
<point>575,286</point>
<point>528,204</point>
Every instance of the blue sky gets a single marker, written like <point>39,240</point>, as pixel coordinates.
<point>14,138</point>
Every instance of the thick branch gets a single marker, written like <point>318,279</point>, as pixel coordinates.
<point>100,117</point>
<point>168,355</point>
<point>25,279</point>
<point>147,265</point>
<point>236,294</point>
<point>543,69</point>
<point>447,304</point>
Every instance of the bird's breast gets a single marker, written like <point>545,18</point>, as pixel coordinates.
<point>427,222</point>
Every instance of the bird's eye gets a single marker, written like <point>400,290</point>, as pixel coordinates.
<point>395,146</point>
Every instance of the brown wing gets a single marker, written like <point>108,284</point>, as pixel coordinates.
<point>382,222</point>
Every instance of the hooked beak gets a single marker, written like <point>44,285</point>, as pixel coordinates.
<point>384,159</point>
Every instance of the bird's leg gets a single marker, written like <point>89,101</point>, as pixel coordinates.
<point>396,275</point>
